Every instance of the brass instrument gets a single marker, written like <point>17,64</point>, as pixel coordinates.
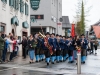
<point>42,35</point>
<point>47,43</point>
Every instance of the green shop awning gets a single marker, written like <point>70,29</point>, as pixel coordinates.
<point>15,21</point>
<point>25,24</point>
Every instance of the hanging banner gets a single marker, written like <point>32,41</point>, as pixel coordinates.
<point>34,4</point>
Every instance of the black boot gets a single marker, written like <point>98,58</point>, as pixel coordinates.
<point>47,64</point>
<point>52,62</point>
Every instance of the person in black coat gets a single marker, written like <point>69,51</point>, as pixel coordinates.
<point>24,45</point>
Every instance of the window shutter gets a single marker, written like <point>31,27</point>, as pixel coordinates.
<point>14,2</point>
<point>11,2</point>
<point>26,9</point>
<point>17,4</point>
<point>5,1</point>
<point>21,6</point>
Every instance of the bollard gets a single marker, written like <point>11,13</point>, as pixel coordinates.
<point>79,62</point>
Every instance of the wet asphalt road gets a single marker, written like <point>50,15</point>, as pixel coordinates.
<point>22,67</point>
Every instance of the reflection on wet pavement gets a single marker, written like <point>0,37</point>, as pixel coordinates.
<point>24,72</point>
<point>2,68</point>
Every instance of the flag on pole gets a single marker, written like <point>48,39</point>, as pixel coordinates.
<point>73,30</point>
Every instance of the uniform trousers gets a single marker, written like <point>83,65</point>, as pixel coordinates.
<point>47,55</point>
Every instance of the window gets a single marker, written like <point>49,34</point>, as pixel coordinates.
<point>2,28</point>
<point>5,1</point>
<point>11,3</point>
<point>38,17</point>
<point>14,3</point>
<point>21,6</point>
<point>26,9</point>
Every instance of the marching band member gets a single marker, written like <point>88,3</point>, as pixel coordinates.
<point>58,49</point>
<point>83,48</point>
<point>41,53</point>
<point>54,45</point>
<point>62,48</point>
<point>37,49</point>
<point>70,49</point>
<point>46,50</point>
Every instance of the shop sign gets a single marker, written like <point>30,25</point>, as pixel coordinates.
<point>34,4</point>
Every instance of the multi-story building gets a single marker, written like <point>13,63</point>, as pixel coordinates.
<point>15,17</point>
<point>46,14</point>
<point>66,26</point>
<point>94,31</point>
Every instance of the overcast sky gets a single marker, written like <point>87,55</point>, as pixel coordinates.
<point>69,9</point>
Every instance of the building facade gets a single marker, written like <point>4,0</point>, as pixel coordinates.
<point>48,15</point>
<point>66,26</point>
<point>94,31</point>
<point>15,17</point>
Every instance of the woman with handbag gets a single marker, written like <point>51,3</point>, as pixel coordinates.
<point>31,48</point>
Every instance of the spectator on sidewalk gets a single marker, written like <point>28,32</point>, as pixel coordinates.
<point>90,46</point>
<point>3,35</point>
<point>31,48</point>
<point>1,47</point>
<point>17,46</point>
<point>8,48</point>
<point>24,45</point>
<point>12,45</point>
<point>96,44</point>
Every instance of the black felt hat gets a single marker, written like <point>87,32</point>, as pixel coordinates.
<point>47,33</point>
<point>60,35</point>
<point>70,37</point>
<point>53,34</point>
<point>57,35</point>
<point>82,35</point>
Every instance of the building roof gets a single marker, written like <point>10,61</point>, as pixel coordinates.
<point>97,23</point>
<point>96,30</point>
<point>65,22</point>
